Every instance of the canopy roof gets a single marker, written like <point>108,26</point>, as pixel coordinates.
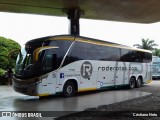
<point>137,11</point>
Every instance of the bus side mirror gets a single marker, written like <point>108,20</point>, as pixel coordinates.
<point>12,52</point>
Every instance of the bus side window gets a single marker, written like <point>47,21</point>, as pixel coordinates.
<point>54,61</point>
<point>47,63</point>
<point>50,61</point>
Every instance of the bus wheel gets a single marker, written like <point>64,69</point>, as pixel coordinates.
<point>132,83</point>
<point>138,83</point>
<point>68,89</point>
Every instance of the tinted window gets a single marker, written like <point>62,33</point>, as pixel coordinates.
<point>50,61</point>
<point>97,52</point>
<point>136,56</point>
<point>86,51</point>
<point>125,55</point>
<point>147,57</point>
<point>112,54</point>
<point>63,46</point>
<point>47,63</point>
<point>53,57</point>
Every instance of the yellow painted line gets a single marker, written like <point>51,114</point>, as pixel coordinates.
<point>149,81</point>
<point>86,89</point>
<point>44,94</point>
<point>38,50</point>
<point>62,38</point>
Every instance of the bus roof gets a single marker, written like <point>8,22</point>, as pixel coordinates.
<point>101,42</point>
<point>84,39</point>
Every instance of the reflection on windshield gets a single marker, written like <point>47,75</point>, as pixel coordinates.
<point>24,64</point>
<point>47,61</point>
<point>48,54</point>
<point>20,60</point>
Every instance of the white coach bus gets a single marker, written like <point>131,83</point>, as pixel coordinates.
<point>155,67</point>
<point>67,64</point>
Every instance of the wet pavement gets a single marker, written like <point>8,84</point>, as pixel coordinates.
<point>142,108</point>
<point>12,101</point>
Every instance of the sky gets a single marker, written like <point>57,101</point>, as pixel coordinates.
<point>24,27</point>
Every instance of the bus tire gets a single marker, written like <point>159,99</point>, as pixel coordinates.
<point>132,83</point>
<point>69,89</point>
<point>138,82</point>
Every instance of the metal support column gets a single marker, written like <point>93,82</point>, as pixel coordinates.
<point>74,16</point>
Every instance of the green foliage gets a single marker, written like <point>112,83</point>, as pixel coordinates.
<point>6,46</point>
<point>3,51</point>
<point>3,80</point>
<point>146,44</point>
<point>156,52</point>
<point>9,44</point>
<point>2,72</point>
<point>149,45</point>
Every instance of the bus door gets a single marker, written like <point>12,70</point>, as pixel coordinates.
<point>49,64</point>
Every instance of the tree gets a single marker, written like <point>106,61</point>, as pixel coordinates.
<point>6,46</point>
<point>3,57</point>
<point>156,52</point>
<point>146,44</point>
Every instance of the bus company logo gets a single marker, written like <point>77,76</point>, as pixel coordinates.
<point>6,114</point>
<point>86,69</point>
<point>61,75</point>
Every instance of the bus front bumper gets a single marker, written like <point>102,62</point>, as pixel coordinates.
<point>27,87</point>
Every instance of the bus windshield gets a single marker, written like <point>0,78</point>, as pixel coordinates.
<point>47,61</point>
<point>39,58</point>
<point>25,65</point>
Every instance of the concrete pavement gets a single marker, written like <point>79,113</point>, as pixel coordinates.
<point>12,101</point>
